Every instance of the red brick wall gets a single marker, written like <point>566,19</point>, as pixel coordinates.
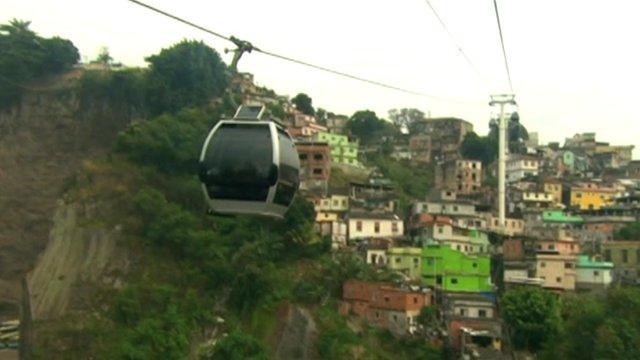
<point>512,249</point>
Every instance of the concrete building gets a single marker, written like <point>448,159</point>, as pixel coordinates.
<point>438,139</point>
<point>446,208</point>
<point>315,164</point>
<point>363,225</point>
<point>512,226</point>
<point>406,260</point>
<point>343,150</point>
<point>383,305</point>
<point>592,273</point>
<point>557,271</point>
<point>460,175</point>
<point>519,167</point>
<point>450,270</point>
<point>469,317</point>
<point>442,231</point>
<point>554,188</point>
<point>625,256</point>
<point>591,196</point>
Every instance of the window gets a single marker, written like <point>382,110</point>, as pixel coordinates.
<point>416,262</point>
<point>317,156</point>
<point>336,202</point>
<point>473,177</point>
<point>454,280</point>
<point>568,265</point>
<point>376,227</point>
<point>475,265</point>
<point>458,247</point>
<point>558,279</point>
<point>302,156</point>
<point>455,208</point>
<point>543,264</point>
<point>578,195</point>
<point>596,273</point>
<point>482,313</point>
<point>415,300</point>
<point>439,229</point>
<point>386,299</point>
<point>607,255</point>
<point>625,255</point>
<point>344,202</point>
<point>377,315</point>
<point>395,318</point>
<point>317,171</point>
<point>394,227</point>
<point>358,225</point>
<point>463,312</point>
<point>551,247</point>
<point>398,260</point>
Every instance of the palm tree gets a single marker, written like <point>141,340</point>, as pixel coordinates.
<point>17,28</point>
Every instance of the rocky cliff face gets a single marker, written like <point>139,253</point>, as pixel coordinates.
<point>79,251</point>
<point>43,142</point>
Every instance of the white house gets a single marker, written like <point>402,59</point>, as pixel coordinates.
<point>593,274</point>
<point>371,224</point>
<point>518,167</point>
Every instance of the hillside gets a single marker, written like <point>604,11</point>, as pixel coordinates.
<point>44,140</point>
<point>105,217</point>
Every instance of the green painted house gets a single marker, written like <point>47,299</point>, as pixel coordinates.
<point>342,150</point>
<point>451,270</point>
<point>406,260</point>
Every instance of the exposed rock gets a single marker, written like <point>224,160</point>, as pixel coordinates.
<point>299,335</point>
<point>77,253</point>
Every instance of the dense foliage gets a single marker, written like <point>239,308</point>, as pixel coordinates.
<point>304,104</point>
<point>26,56</point>
<point>366,125</point>
<point>189,73</point>
<point>628,232</point>
<point>483,148</point>
<point>406,118</point>
<point>598,326</point>
<point>533,316</point>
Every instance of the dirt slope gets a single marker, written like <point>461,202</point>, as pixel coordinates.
<point>43,141</point>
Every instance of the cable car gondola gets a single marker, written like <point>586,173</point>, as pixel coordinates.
<point>249,166</point>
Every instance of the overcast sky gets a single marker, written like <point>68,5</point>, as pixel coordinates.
<point>574,63</point>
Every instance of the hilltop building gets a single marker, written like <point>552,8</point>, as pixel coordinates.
<point>450,270</point>
<point>343,150</point>
<point>460,175</point>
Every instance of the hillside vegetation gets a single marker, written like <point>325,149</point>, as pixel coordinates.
<point>196,286</point>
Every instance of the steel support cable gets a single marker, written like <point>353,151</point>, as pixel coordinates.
<point>504,52</point>
<point>300,62</point>
<point>457,45</point>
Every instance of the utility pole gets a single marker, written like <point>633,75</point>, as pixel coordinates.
<point>502,100</point>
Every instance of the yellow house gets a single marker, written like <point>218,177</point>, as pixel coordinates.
<point>326,216</point>
<point>555,189</point>
<point>591,197</point>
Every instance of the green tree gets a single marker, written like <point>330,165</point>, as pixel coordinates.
<point>303,103</point>
<point>25,56</point>
<point>104,57</point>
<point>532,315</point>
<point>366,125</point>
<point>628,232</point>
<point>406,118</point>
<point>187,74</point>
<point>483,148</point>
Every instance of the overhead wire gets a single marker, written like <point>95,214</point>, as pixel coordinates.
<point>300,62</point>
<point>504,52</point>
<point>457,45</point>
